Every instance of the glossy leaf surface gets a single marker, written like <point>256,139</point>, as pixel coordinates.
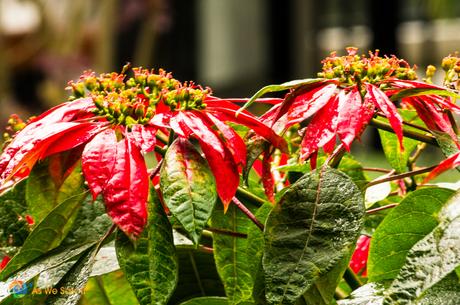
<point>431,259</point>
<point>404,226</point>
<point>309,231</point>
<point>150,265</point>
<point>188,187</point>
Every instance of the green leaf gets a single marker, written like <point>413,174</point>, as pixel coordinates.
<point>446,292</point>
<point>369,294</point>
<point>188,187</point>
<point>49,232</point>
<point>108,289</point>
<point>197,275</point>
<point>230,254</point>
<point>48,262</point>
<point>322,291</point>
<point>71,287</point>
<point>423,91</point>
<point>43,194</point>
<point>431,259</point>
<point>207,301</point>
<point>150,264</point>
<point>309,231</point>
<point>398,159</point>
<point>91,224</point>
<point>447,145</point>
<point>256,242</point>
<point>281,87</point>
<point>405,225</point>
<point>14,229</point>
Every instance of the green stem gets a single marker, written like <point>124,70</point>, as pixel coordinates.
<point>406,132</point>
<point>162,138</point>
<point>227,232</point>
<point>245,194</point>
<point>352,279</point>
<point>401,176</point>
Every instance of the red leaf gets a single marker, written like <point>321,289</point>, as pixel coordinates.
<point>218,156</point>
<point>432,117</point>
<point>126,191</point>
<point>98,160</point>
<point>30,220</point>
<point>267,177</point>
<point>383,103</point>
<point>251,122</point>
<point>309,103</point>
<point>321,130</point>
<point>30,145</point>
<point>5,260</point>
<point>449,163</point>
<point>143,136</point>
<point>65,112</point>
<point>359,258</point>
<point>233,140</point>
<point>353,116</point>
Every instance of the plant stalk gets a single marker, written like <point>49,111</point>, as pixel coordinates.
<point>401,176</point>
<point>429,139</point>
<point>248,213</point>
<point>245,194</point>
<point>352,279</point>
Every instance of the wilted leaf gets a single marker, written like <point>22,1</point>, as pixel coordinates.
<point>188,187</point>
<point>405,225</point>
<point>309,231</point>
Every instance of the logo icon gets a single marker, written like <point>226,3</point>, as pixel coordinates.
<point>18,288</point>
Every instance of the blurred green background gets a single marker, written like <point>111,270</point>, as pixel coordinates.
<point>234,46</point>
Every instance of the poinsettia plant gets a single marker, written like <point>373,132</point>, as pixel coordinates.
<point>153,188</point>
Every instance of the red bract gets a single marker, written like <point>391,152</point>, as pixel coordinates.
<point>358,260</point>
<point>119,123</point>
<point>5,260</point>
<point>351,90</point>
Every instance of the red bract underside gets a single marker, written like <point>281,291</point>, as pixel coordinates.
<point>358,260</point>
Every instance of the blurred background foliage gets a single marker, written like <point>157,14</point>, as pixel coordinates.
<point>234,46</point>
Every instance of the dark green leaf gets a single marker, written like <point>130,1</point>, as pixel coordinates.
<point>255,146</point>
<point>43,195</point>
<point>197,275</point>
<point>150,265</point>
<point>14,229</point>
<point>396,157</point>
<point>49,232</point>
<point>281,87</point>
<point>207,301</point>
<point>405,225</point>
<point>309,231</point>
<point>431,259</point>
<point>230,255</point>
<point>71,287</point>
<point>322,291</point>
<point>48,262</point>
<point>91,224</point>
<point>188,187</point>
<point>108,289</point>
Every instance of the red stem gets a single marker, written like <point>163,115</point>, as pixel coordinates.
<point>248,213</point>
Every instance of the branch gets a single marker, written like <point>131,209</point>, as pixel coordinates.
<point>406,132</point>
<point>248,213</point>
<point>245,194</point>
<point>388,206</point>
<point>401,176</point>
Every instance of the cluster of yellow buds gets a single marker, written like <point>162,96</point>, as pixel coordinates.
<point>126,101</point>
<point>15,124</point>
<point>352,68</point>
<point>451,65</point>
